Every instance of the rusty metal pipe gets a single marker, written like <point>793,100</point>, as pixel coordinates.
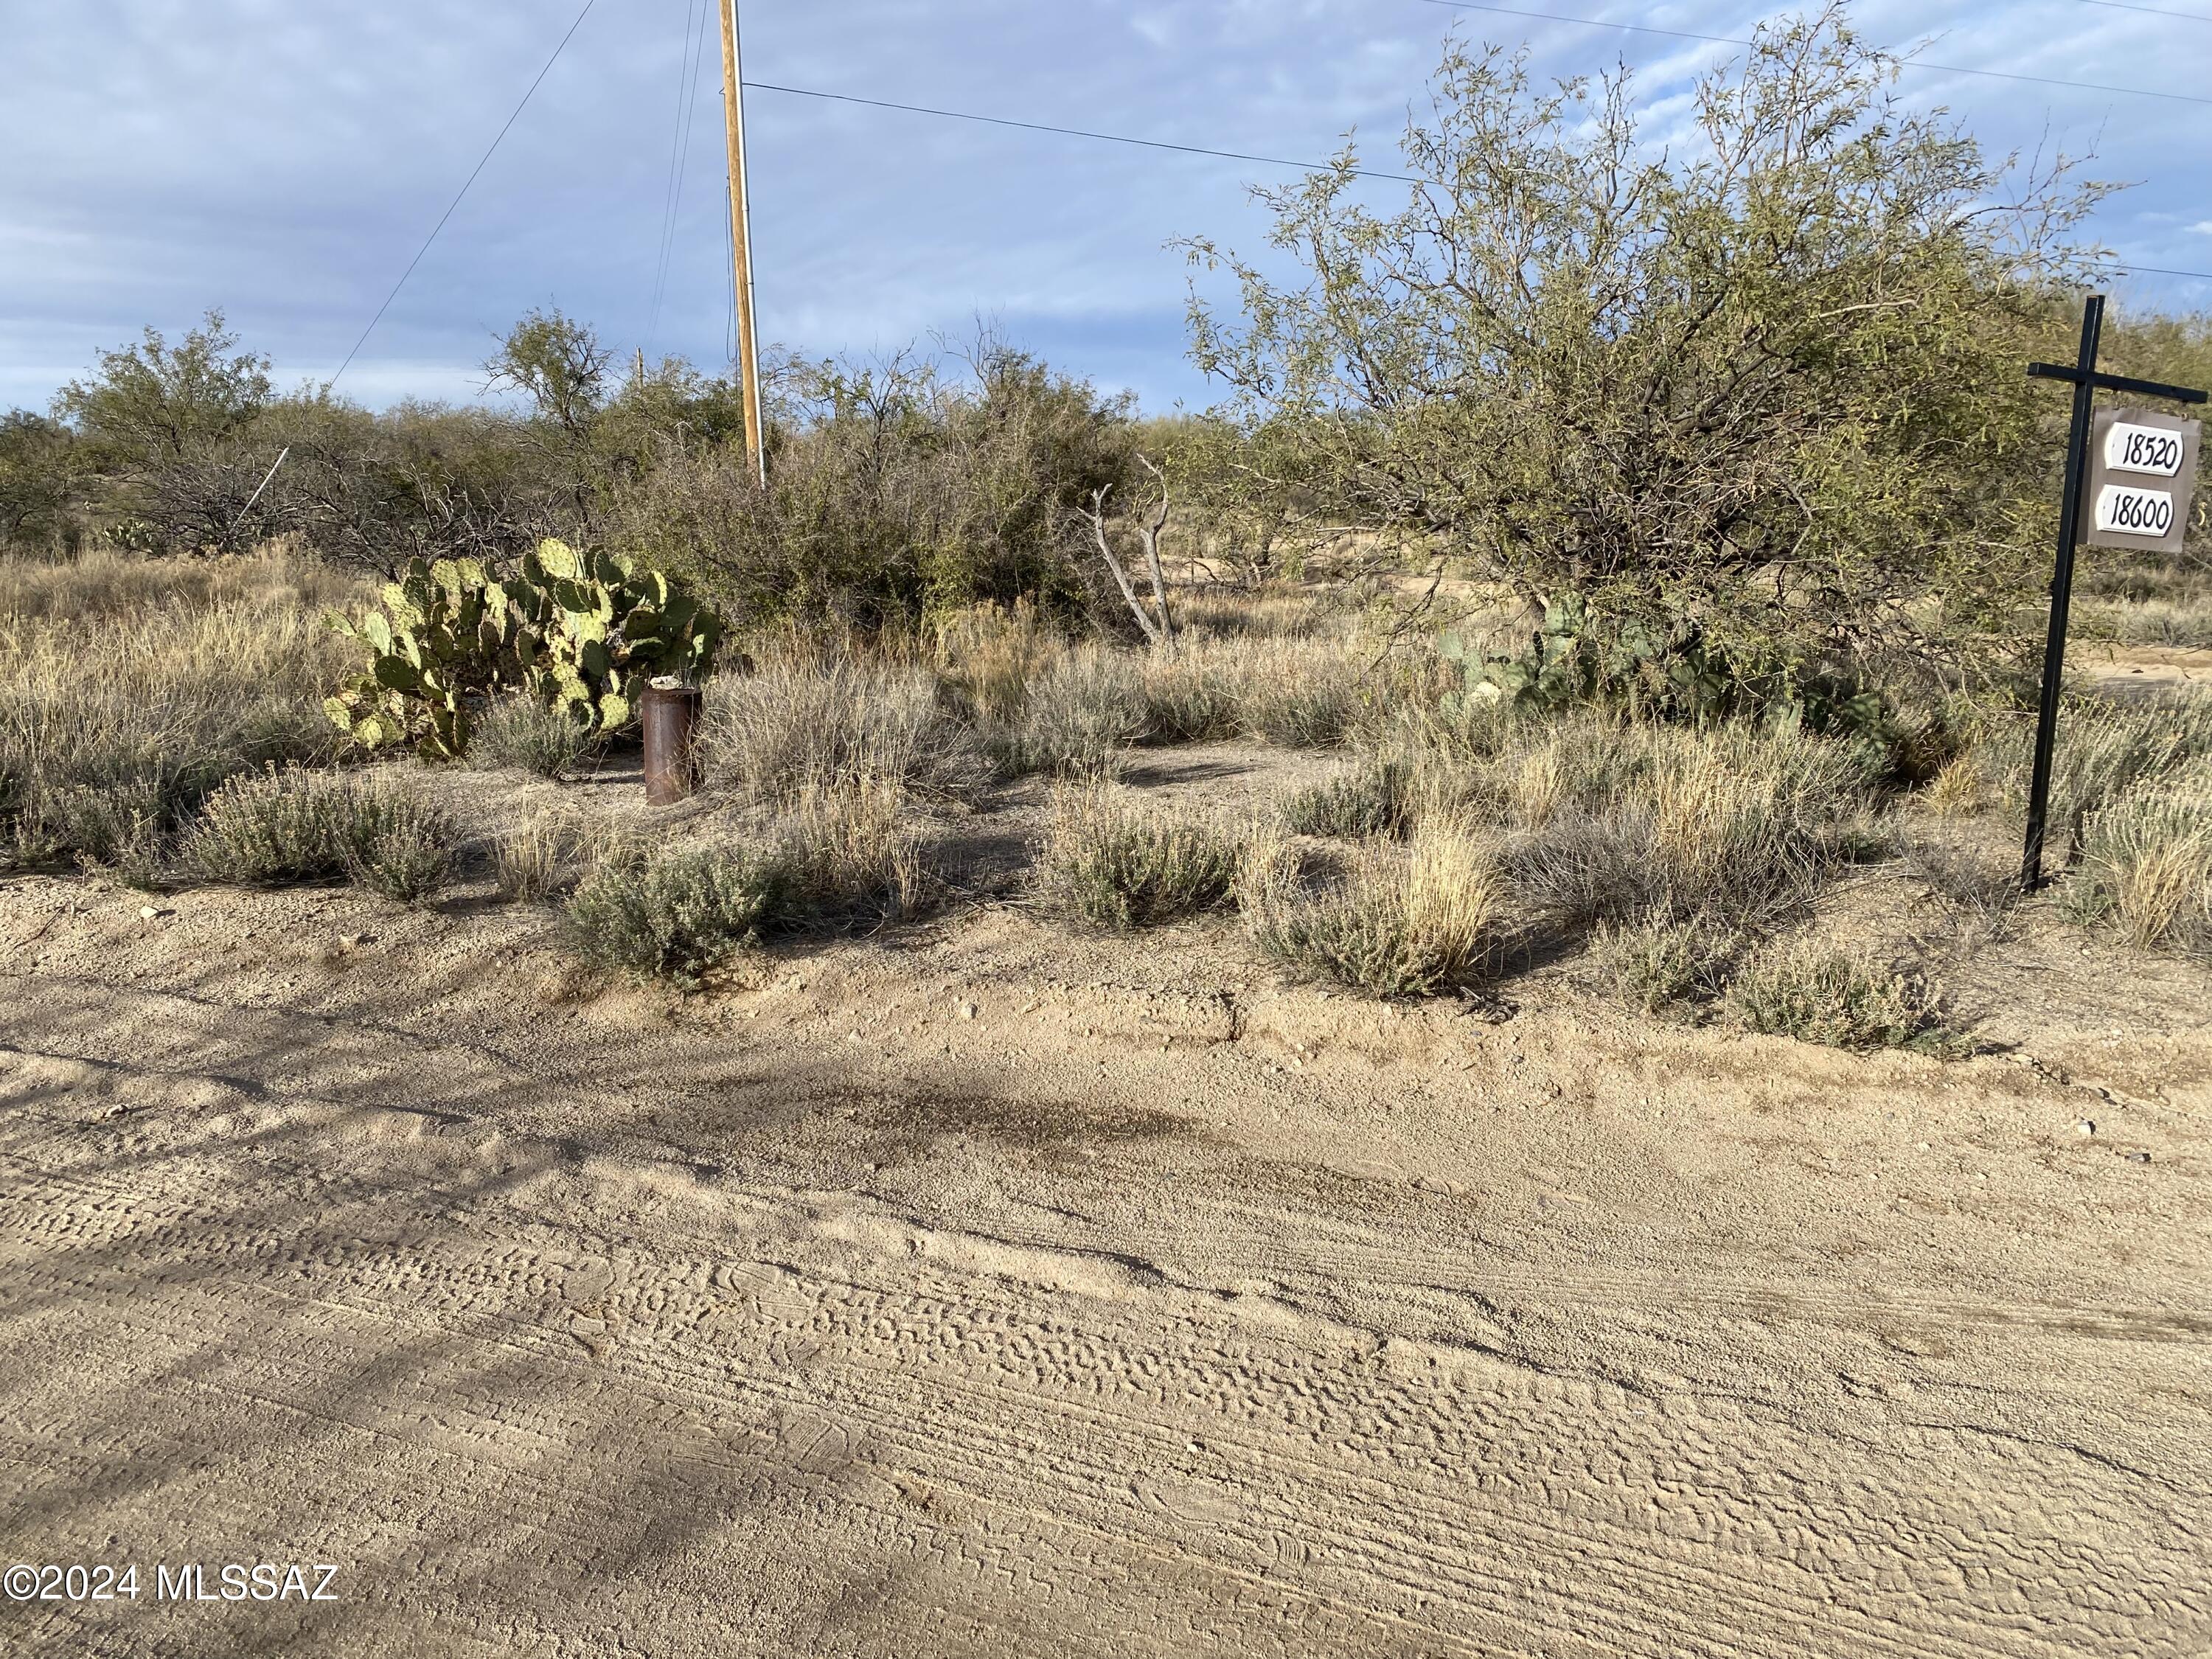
<point>670,714</point>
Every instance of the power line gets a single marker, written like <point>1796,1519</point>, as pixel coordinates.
<point>1194,150</point>
<point>675,158</point>
<point>456,202</point>
<point>1077,132</point>
<point>2160,270</point>
<point>1906,62</point>
<point>2155,11</point>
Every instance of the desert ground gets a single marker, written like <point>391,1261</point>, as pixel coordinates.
<point>989,1288</point>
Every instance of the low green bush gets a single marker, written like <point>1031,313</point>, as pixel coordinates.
<point>1841,1000</point>
<point>841,859</point>
<point>680,914</point>
<point>1660,963</point>
<point>1374,799</point>
<point>1117,863</point>
<point>280,828</point>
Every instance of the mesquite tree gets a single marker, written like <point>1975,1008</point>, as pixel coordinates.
<point>1758,391</point>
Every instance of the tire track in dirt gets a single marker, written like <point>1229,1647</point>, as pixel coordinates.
<point>1011,1378</point>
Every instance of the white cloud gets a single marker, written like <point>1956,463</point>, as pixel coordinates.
<point>286,162</point>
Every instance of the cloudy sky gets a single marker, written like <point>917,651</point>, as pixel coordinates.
<point>284,160</point>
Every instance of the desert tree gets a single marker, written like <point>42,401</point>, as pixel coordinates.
<point>1756,392</point>
<point>168,430</point>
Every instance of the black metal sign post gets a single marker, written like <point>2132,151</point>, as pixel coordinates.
<point>2087,382</point>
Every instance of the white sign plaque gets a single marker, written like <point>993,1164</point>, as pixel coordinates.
<point>2132,448</point>
<point>2142,471</point>
<point>2130,510</point>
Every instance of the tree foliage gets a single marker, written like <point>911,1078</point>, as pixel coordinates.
<point>1756,395</point>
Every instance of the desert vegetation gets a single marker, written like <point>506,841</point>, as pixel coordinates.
<point>1611,606</point>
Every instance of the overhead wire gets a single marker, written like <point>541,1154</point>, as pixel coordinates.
<point>482,161</point>
<point>1904,62</point>
<point>2155,11</point>
<point>1192,150</point>
<point>1072,132</point>
<point>665,252</point>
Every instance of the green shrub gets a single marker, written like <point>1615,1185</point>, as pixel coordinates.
<point>280,827</point>
<point>1118,863</point>
<point>1373,799</point>
<point>1840,999</point>
<point>524,732</point>
<point>1658,963</point>
<point>679,914</point>
<point>1397,926</point>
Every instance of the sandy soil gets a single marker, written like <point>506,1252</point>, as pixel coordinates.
<point>2141,671</point>
<point>986,1290</point>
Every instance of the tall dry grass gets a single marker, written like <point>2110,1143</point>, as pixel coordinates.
<point>1395,924</point>
<point>2146,864</point>
<point>130,688</point>
<point>798,725</point>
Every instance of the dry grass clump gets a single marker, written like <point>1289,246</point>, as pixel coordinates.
<point>1839,998</point>
<point>844,856</point>
<point>1974,886</point>
<point>1372,798</point>
<point>1620,823</point>
<point>524,732</point>
<point>854,855</point>
<point>799,727</point>
<point>1190,696</point>
<point>546,854</point>
<point>294,826</point>
<point>1227,613</point>
<point>1396,925</point>
<point>1302,694</point>
<point>988,654</point>
<point>1080,716</point>
<point>2104,750</point>
<point>2184,622</point>
<point>113,726</point>
<point>1116,862</point>
<point>2146,864</point>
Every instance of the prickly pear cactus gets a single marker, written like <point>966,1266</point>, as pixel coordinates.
<point>585,635</point>
<point>607,629</point>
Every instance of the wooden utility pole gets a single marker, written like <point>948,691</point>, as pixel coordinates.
<point>733,114</point>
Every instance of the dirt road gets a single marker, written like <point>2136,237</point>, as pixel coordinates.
<point>1003,1295</point>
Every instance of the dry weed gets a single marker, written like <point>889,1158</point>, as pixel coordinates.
<point>1410,925</point>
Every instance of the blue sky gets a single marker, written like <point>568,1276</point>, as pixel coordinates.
<point>284,160</point>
